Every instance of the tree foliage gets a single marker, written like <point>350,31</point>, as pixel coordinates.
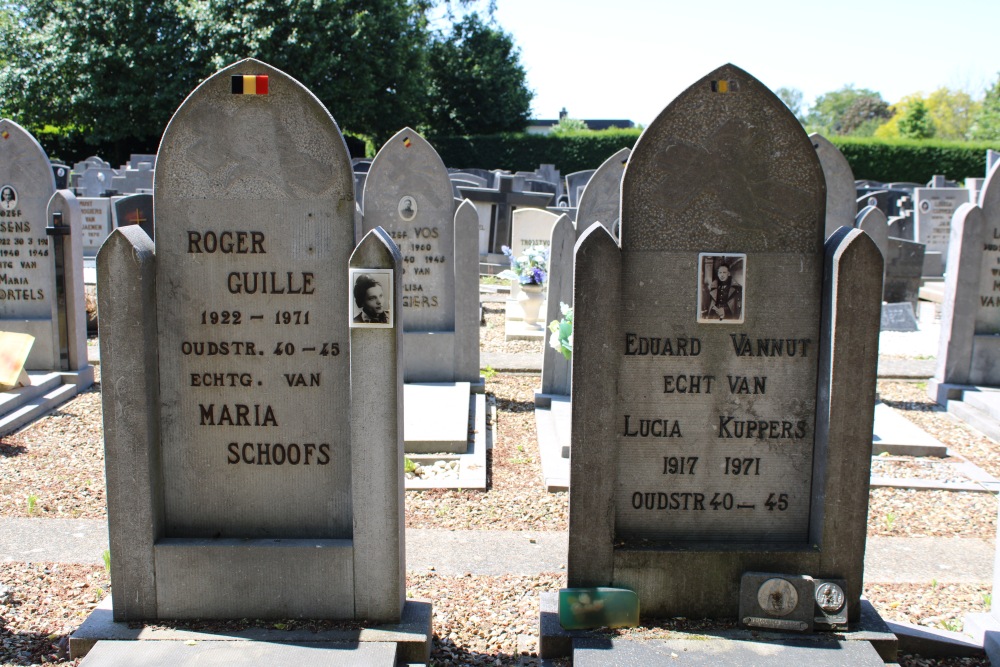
<point>849,110</point>
<point>792,97</point>
<point>916,123</point>
<point>114,72</point>
<point>478,83</point>
<point>986,122</point>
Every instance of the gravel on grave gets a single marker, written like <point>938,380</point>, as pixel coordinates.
<point>478,620</point>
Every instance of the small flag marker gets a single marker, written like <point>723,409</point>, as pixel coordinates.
<point>406,142</point>
<point>5,134</point>
<point>250,84</point>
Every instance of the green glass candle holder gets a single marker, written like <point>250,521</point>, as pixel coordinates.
<point>589,608</point>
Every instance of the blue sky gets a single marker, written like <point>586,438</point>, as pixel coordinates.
<point>630,58</point>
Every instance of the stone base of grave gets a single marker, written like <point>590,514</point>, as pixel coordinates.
<point>867,642</point>
<point>471,464</point>
<point>937,643</point>
<point>978,406</point>
<point>410,638</point>
<point>47,391</point>
<point>553,423</point>
<point>436,417</point>
<point>898,436</point>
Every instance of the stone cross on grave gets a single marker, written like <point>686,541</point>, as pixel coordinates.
<point>504,200</point>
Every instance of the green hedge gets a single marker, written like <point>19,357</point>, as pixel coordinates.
<point>524,152</point>
<point>887,161</point>
<point>914,161</point>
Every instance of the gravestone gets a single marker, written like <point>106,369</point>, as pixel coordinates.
<point>61,172</point>
<point>95,182</point>
<point>41,279</point>
<point>841,207</point>
<point>711,440</point>
<point>601,198</point>
<point>496,208</point>
<point>532,227</point>
<point>96,223</point>
<point>408,194</point>
<point>134,210</point>
<point>872,221</point>
<point>904,264</point>
<point>933,210</point>
<point>969,352</point>
<point>253,429</point>
<point>40,266</point>
<point>575,183</point>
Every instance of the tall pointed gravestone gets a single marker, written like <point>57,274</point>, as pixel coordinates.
<point>724,373</point>
<point>253,434</point>
<point>41,278</point>
<point>409,194</point>
<point>969,352</point>
<point>841,197</point>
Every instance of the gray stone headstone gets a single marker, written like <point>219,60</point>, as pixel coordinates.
<point>601,198</point>
<point>408,193</point>
<point>532,227</point>
<point>872,221</point>
<point>95,182</point>
<point>898,317</point>
<point>556,369</point>
<point>96,223</point>
<point>29,284</point>
<point>704,445</point>
<point>840,193</point>
<point>252,433</point>
<point>933,210</point>
<point>969,352</point>
<point>135,210</point>
<point>575,183</point>
<point>61,172</point>
<point>904,262</point>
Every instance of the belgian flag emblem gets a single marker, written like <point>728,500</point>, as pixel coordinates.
<point>723,86</point>
<point>252,84</point>
<point>5,134</point>
<point>406,142</point>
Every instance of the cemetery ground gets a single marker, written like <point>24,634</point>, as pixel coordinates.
<point>54,469</point>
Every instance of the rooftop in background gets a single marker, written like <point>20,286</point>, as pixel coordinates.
<point>544,125</point>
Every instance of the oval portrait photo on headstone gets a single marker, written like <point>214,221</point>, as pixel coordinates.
<point>407,208</point>
<point>371,298</point>
<point>8,198</point>
<point>721,288</point>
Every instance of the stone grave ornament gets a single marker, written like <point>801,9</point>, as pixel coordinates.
<point>253,436</point>
<point>723,366</point>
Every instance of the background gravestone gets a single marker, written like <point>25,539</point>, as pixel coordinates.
<point>969,352</point>
<point>29,290</point>
<point>253,440</point>
<point>601,198</point>
<point>531,227</point>
<point>96,223</point>
<point>134,210</point>
<point>933,208</point>
<point>841,197</point>
<point>724,445</point>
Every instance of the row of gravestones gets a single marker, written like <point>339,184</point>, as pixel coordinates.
<point>253,359</point>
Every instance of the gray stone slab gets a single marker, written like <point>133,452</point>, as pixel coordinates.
<point>934,642</point>
<point>96,223</point>
<point>455,553</point>
<point>553,424</point>
<point>977,419</point>
<point>557,369</point>
<point>919,560</point>
<point>897,435</point>
<point>985,401</point>
<point>933,209</point>
<point>53,540</point>
<point>412,634</point>
<point>471,463</point>
<point>436,417</point>
<point>904,261</point>
<point>717,651</point>
<point>600,200</point>
<point>177,654</point>
<point>898,317</point>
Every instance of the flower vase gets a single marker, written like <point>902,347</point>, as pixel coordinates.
<point>530,298</point>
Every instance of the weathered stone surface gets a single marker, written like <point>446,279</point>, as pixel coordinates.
<point>601,198</point>
<point>840,193</point>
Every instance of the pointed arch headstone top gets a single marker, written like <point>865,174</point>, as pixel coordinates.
<point>726,165</point>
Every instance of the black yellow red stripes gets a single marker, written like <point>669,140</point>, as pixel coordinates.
<point>723,86</point>
<point>250,84</point>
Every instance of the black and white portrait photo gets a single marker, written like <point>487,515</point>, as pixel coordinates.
<point>371,298</point>
<point>721,287</point>
<point>8,198</point>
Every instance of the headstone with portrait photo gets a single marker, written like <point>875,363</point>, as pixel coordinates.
<point>408,193</point>
<point>41,269</point>
<point>723,373</point>
<point>253,429</point>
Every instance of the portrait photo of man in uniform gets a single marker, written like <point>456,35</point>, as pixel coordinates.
<point>371,298</point>
<point>722,283</point>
